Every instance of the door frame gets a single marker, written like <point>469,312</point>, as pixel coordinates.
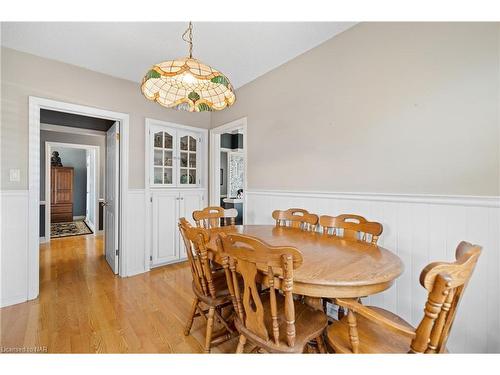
<point>215,149</point>
<point>35,105</point>
<point>95,199</point>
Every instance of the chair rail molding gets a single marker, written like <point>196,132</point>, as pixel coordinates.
<point>420,229</point>
<point>456,200</point>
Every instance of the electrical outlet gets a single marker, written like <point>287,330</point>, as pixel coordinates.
<point>332,310</point>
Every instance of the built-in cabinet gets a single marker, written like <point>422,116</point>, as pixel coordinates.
<point>176,164</point>
<point>168,208</point>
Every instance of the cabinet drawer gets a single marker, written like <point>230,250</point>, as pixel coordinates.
<point>61,218</point>
<point>61,208</point>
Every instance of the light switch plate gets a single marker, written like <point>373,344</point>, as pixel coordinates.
<point>15,175</point>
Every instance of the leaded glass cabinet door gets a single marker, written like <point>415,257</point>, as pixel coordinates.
<point>189,160</point>
<point>163,155</point>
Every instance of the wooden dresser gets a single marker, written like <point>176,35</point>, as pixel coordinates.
<point>61,198</point>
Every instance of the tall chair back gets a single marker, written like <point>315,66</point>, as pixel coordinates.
<point>195,240</point>
<point>211,217</point>
<point>249,257</point>
<point>445,283</point>
<point>296,218</point>
<point>352,227</point>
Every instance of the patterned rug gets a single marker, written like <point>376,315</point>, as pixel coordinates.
<point>73,228</point>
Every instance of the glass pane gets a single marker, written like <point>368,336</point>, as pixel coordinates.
<point>192,144</point>
<point>184,143</point>
<point>192,176</point>
<point>184,159</point>
<point>184,176</point>
<point>192,160</point>
<point>158,175</point>
<point>167,176</point>
<point>167,159</point>
<point>158,141</point>
<point>168,141</point>
<point>158,157</point>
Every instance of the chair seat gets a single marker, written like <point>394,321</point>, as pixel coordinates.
<point>309,324</point>
<point>222,294</point>
<point>373,337</point>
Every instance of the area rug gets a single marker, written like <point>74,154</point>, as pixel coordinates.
<point>73,228</point>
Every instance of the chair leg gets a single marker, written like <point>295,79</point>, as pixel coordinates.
<point>321,344</point>
<point>210,326</point>
<point>191,316</point>
<point>241,344</point>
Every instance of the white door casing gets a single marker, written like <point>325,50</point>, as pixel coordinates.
<point>112,197</point>
<point>91,194</point>
<point>215,147</point>
<point>35,104</point>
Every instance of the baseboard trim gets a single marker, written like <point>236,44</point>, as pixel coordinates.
<point>13,301</point>
<point>453,200</point>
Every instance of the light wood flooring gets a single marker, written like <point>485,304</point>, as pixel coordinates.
<point>84,308</point>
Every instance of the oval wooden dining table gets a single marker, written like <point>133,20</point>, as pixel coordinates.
<point>332,267</point>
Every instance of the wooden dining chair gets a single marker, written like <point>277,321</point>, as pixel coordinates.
<point>351,226</point>
<point>296,218</point>
<point>214,216</point>
<point>375,330</point>
<point>209,287</point>
<point>272,321</point>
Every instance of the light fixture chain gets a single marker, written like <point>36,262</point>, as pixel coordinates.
<point>189,32</point>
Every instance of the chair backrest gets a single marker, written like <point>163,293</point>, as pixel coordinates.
<point>352,227</point>
<point>445,283</point>
<point>211,217</point>
<point>195,240</point>
<point>296,218</point>
<point>249,257</point>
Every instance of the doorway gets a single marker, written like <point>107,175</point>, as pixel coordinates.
<point>75,212</point>
<point>228,167</point>
<point>117,180</point>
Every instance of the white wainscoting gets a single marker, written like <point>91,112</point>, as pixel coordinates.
<point>13,247</point>
<point>14,242</point>
<point>136,228</point>
<point>420,229</point>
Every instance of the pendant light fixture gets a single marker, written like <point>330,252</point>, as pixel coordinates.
<point>188,84</point>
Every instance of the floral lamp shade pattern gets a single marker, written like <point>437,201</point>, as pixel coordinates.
<point>188,84</point>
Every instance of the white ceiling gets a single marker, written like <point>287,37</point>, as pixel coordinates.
<point>241,50</point>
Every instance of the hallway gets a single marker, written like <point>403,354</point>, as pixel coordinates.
<point>84,308</point>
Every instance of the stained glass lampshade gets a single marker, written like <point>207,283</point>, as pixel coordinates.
<point>188,84</point>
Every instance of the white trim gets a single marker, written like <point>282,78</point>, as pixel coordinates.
<point>75,218</point>
<point>69,129</point>
<point>454,200</point>
<point>35,104</point>
<point>97,168</point>
<point>42,203</point>
<point>43,239</point>
<point>215,161</point>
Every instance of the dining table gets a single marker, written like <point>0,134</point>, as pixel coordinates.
<point>332,267</point>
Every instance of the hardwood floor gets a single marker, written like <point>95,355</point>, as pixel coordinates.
<point>84,308</point>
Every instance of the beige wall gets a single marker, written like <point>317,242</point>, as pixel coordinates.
<point>383,107</point>
<point>24,75</point>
